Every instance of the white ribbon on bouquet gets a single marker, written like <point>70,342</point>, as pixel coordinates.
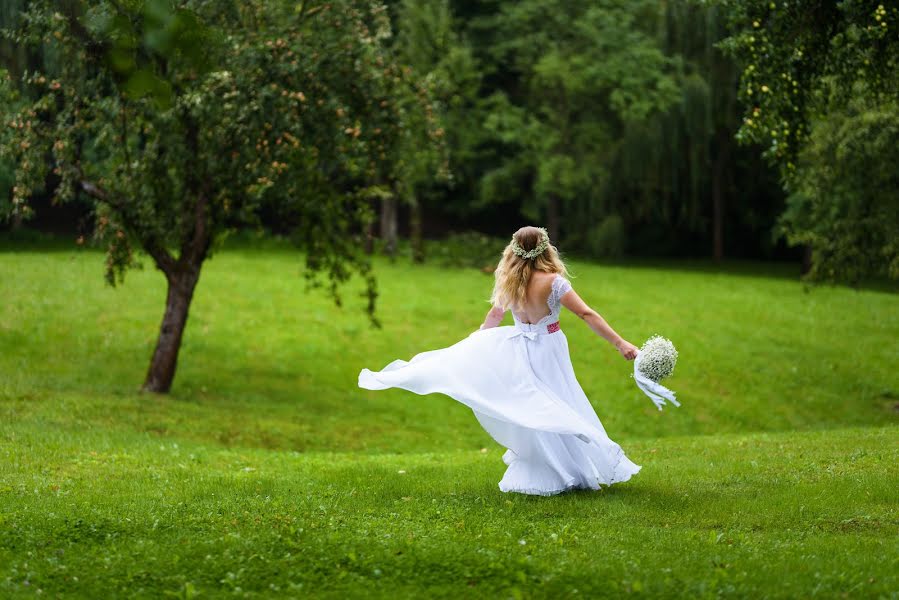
<point>657,392</point>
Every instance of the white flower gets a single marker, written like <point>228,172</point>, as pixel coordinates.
<point>536,251</point>
<point>657,358</point>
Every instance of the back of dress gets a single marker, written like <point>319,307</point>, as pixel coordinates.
<point>560,286</point>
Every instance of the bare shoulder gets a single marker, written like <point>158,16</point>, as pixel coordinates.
<point>544,276</point>
<point>542,279</point>
<point>549,280</point>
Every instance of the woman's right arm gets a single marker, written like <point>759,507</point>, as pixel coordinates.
<point>573,302</point>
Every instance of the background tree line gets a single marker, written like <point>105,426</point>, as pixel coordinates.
<point>611,122</point>
<point>694,128</point>
<point>617,124</point>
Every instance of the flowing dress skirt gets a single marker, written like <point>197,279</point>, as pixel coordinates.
<point>520,384</point>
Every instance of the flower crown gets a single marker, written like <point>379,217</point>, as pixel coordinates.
<point>542,245</point>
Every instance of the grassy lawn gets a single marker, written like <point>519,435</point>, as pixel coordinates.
<point>268,473</point>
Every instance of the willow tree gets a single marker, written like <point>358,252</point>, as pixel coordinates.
<point>574,75</point>
<point>181,122</point>
<point>682,170</point>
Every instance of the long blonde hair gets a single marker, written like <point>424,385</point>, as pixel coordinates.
<point>514,272</point>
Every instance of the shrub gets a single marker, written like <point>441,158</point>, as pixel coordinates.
<point>607,239</point>
<point>466,249</point>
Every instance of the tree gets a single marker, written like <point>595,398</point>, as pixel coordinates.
<point>844,202</point>
<point>681,183</point>
<point>512,77</point>
<point>582,72</point>
<point>7,167</point>
<point>15,59</point>
<point>817,75</point>
<point>427,44</point>
<point>182,122</point>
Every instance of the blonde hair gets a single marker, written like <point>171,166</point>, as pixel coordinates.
<point>514,272</point>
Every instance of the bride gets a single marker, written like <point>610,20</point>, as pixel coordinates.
<point>518,380</point>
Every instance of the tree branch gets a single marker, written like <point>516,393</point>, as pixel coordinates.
<point>199,243</point>
<point>150,243</point>
<point>95,48</point>
<point>195,240</point>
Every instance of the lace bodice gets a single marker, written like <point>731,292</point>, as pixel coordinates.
<point>560,287</point>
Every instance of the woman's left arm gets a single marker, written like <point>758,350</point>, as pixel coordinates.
<point>494,317</point>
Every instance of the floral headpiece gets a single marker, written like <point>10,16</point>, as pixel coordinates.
<point>542,245</point>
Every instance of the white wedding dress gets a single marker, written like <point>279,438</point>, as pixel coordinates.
<point>520,384</point>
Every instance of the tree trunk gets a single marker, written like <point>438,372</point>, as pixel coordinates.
<point>418,247</point>
<point>717,217</point>
<point>181,285</point>
<point>807,257</point>
<point>370,238</point>
<point>552,219</point>
<point>389,223</point>
<point>719,173</point>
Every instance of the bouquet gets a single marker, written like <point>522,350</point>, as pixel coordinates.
<point>655,361</point>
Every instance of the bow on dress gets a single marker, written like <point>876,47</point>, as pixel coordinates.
<point>657,392</point>
<point>531,335</point>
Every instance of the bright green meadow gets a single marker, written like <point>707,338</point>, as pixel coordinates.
<point>268,473</point>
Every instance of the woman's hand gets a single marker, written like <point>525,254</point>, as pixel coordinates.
<point>627,349</point>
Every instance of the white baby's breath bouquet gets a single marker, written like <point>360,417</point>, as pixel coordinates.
<point>656,361</point>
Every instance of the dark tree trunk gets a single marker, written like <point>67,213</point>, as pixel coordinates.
<point>806,264</point>
<point>389,223</point>
<point>415,234</point>
<point>717,217</point>
<point>552,219</point>
<point>370,238</point>
<point>182,274</point>
<point>719,174</point>
<point>177,303</point>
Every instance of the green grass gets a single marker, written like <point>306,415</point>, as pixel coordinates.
<point>268,473</point>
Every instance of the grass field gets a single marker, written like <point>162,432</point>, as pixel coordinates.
<point>268,473</point>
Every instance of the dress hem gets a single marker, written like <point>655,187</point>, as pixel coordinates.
<point>574,483</point>
<point>570,486</point>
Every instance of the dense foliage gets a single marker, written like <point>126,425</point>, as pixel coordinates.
<point>844,202</point>
<point>613,123</point>
<point>573,97</point>
<point>819,87</point>
<point>617,124</point>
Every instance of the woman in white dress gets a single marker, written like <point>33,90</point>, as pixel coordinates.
<point>519,381</point>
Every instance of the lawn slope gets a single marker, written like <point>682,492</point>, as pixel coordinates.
<point>96,514</point>
<point>268,473</point>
